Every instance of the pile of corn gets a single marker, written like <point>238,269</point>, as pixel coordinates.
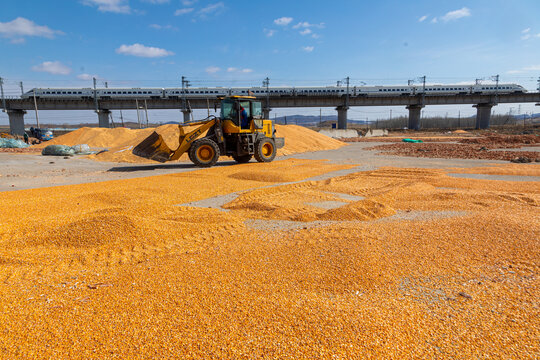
<point>120,141</point>
<point>119,270</point>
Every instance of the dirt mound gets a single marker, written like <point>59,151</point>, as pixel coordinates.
<point>504,140</point>
<point>457,151</point>
<point>120,141</point>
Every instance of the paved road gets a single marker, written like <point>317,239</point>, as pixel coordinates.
<point>24,171</point>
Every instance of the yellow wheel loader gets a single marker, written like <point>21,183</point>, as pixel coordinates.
<point>240,132</point>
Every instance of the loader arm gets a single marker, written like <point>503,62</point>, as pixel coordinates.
<point>155,148</point>
<point>186,140</point>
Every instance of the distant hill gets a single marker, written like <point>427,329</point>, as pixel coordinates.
<point>312,120</point>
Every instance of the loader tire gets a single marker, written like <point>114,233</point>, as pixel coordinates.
<point>204,153</point>
<point>242,159</point>
<point>265,150</point>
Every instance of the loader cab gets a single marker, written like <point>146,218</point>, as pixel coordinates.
<point>230,110</point>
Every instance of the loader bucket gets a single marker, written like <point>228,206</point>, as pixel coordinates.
<point>153,148</point>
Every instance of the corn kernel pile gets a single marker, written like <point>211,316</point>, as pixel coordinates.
<point>415,264</point>
<point>120,141</point>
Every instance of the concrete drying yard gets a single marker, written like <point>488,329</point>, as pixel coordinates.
<point>334,254</point>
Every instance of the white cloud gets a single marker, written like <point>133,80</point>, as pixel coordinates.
<point>526,37</point>
<point>422,18</point>
<point>269,32</point>
<point>307,25</point>
<point>52,67</point>
<point>532,68</point>
<point>525,69</point>
<point>143,51</point>
<point>434,20</point>
<point>157,1</point>
<point>283,21</point>
<point>308,48</point>
<point>305,32</point>
<point>315,36</point>
<point>162,27</point>
<point>87,77</point>
<point>526,30</point>
<point>188,2</point>
<point>115,6</point>
<point>456,14</point>
<point>20,28</point>
<point>212,8</point>
<point>183,11</point>
<point>237,70</point>
<point>212,69</point>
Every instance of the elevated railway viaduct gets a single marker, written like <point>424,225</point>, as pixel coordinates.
<point>16,108</point>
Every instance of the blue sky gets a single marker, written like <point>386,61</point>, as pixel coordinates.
<point>230,43</point>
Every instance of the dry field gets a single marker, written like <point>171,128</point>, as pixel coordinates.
<point>393,263</point>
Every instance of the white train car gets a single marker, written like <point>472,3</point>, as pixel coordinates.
<point>176,93</point>
<point>130,93</point>
<point>59,93</point>
<point>204,92</point>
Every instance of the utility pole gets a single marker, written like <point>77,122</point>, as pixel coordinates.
<point>122,118</point>
<point>106,84</point>
<point>138,116</point>
<point>95,95</point>
<point>423,78</point>
<point>320,117</point>
<point>35,108</point>
<point>266,83</point>
<point>496,78</point>
<point>185,85</point>
<point>347,98</point>
<point>410,83</point>
<point>146,112</point>
<point>459,118</point>
<point>3,98</point>
<point>390,116</point>
<point>22,88</point>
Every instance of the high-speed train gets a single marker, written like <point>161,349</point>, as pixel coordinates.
<point>204,92</point>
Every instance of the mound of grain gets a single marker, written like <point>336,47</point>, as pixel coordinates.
<point>120,141</point>
<point>460,132</point>
<point>113,138</point>
<point>94,231</point>
<point>299,139</point>
<point>359,210</point>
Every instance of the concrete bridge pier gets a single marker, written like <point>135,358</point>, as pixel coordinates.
<point>342,117</point>
<point>187,115</point>
<point>266,113</point>
<point>414,116</point>
<point>483,115</point>
<point>103,118</point>
<point>16,121</point>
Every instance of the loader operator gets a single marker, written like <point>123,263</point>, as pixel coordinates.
<point>244,121</point>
